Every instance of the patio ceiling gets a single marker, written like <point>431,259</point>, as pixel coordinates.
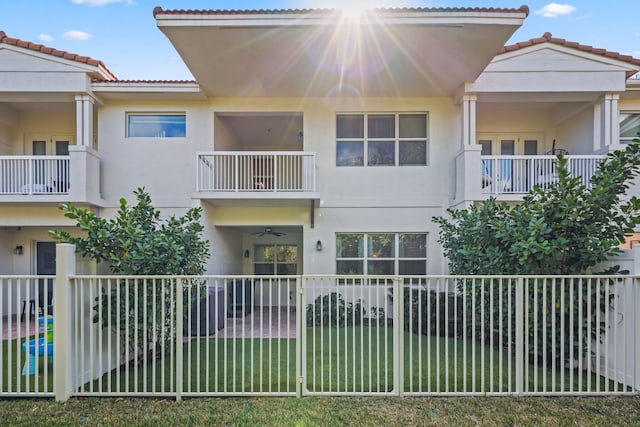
<point>319,53</point>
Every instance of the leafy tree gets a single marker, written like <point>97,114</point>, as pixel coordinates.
<point>563,228</point>
<point>138,242</point>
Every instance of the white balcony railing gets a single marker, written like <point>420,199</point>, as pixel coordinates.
<point>519,174</point>
<point>34,174</point>
<point>256,171</point>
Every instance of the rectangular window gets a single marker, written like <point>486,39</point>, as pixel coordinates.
<point>381,139</point>
<point>381,253</point>
<point>629,127</point>
<point>156,125</point>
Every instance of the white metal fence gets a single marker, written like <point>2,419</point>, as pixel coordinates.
<point>34,174</point>
<point>338,335</point>
<point>256,171</point>
<point>519,174</point>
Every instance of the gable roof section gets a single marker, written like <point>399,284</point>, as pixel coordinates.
<point>548,38</point>
<point>103,72</point>
<point>324,52</point>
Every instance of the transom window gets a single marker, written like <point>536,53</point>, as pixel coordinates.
<point>381,139</point>
<point>381,253</point>
<point>629,126</point>
<point>156,125</point>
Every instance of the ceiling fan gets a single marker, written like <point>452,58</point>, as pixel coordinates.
<point>271,231</point>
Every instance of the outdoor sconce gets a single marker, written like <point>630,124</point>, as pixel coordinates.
<point>18,250</point>
<point>318,246</point>
<point>246,253</point>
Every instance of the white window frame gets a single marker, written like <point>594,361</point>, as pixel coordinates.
<point>627,140</point>
<point>154,114</point>
<point>396,258</point>
<point>396,138</point>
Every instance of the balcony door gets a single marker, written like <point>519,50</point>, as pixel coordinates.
<point>49,175</point>
<point>505,174</point>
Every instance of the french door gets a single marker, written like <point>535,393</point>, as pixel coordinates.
<point>506,174</point>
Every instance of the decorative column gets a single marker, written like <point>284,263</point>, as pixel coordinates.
<point>84,120</point>
<point>606,129</point>
<point>468,120</point>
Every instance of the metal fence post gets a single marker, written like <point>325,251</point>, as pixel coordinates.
<point>398,331</point>
<point>519,336</point>
<point>300,338</point>
<point>179,339</point>
<point>63,344</point>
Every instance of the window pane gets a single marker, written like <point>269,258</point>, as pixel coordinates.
<point>349,153</point>
<point>530,147</point>
<point>381,246</point>
<point>381,153</point>
<point>156,125</point>
<point>381,126</point>
<point>264,253</point>
<point>263,269</point>
<point>413,152</point>
<point>287,253</point>
<point>413,245</point>
<point>486,147</point>
<point>350,126</point>
<point>507,147</point>
<point>380,267</point>
<point>349,245</point>
<point>629,125</point>
<point>413,126</point>
<point>349,267</point>
<point>287,269</point>
<point>412,267</point>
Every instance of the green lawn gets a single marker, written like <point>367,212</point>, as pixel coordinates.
<point>342,360</point>
<point>325,411</point>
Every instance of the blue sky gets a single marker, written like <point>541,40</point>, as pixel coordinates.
<point>123,33</point>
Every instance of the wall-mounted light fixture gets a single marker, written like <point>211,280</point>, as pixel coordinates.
<point>300,137</point>
<point>318,246</point>
<point>18,250</point>
<point>246,253</point>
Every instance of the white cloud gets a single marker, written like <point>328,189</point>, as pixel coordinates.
<point>45,38</point>
<point>102,2</point>
<point>553,10</point>
<point>76,35</point>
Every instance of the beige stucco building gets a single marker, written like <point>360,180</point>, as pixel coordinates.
<point>315,143</point>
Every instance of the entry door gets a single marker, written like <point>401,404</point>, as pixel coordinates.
<point>276,260</point>
<point>45,265</point>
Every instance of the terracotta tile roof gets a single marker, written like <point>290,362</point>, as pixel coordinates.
<point>116,82</point>
<point>159,11</point>
<point>548,38</point>
<point>57,53</point>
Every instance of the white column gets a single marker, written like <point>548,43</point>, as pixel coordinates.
<point>468,120</point>
<point>606,123</point>
<point>84,120</point>
<point>63,342</point>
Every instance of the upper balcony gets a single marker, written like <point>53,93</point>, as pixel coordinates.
<point>256,175</point>
<point>511,175</point>
<point>51,179</point>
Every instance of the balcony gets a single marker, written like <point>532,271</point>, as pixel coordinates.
<point>256,175</point>
<point>51,179</point>
<point>504,175</point>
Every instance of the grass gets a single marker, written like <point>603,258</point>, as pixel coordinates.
<point>325,411</point>
<point>338,360</point>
